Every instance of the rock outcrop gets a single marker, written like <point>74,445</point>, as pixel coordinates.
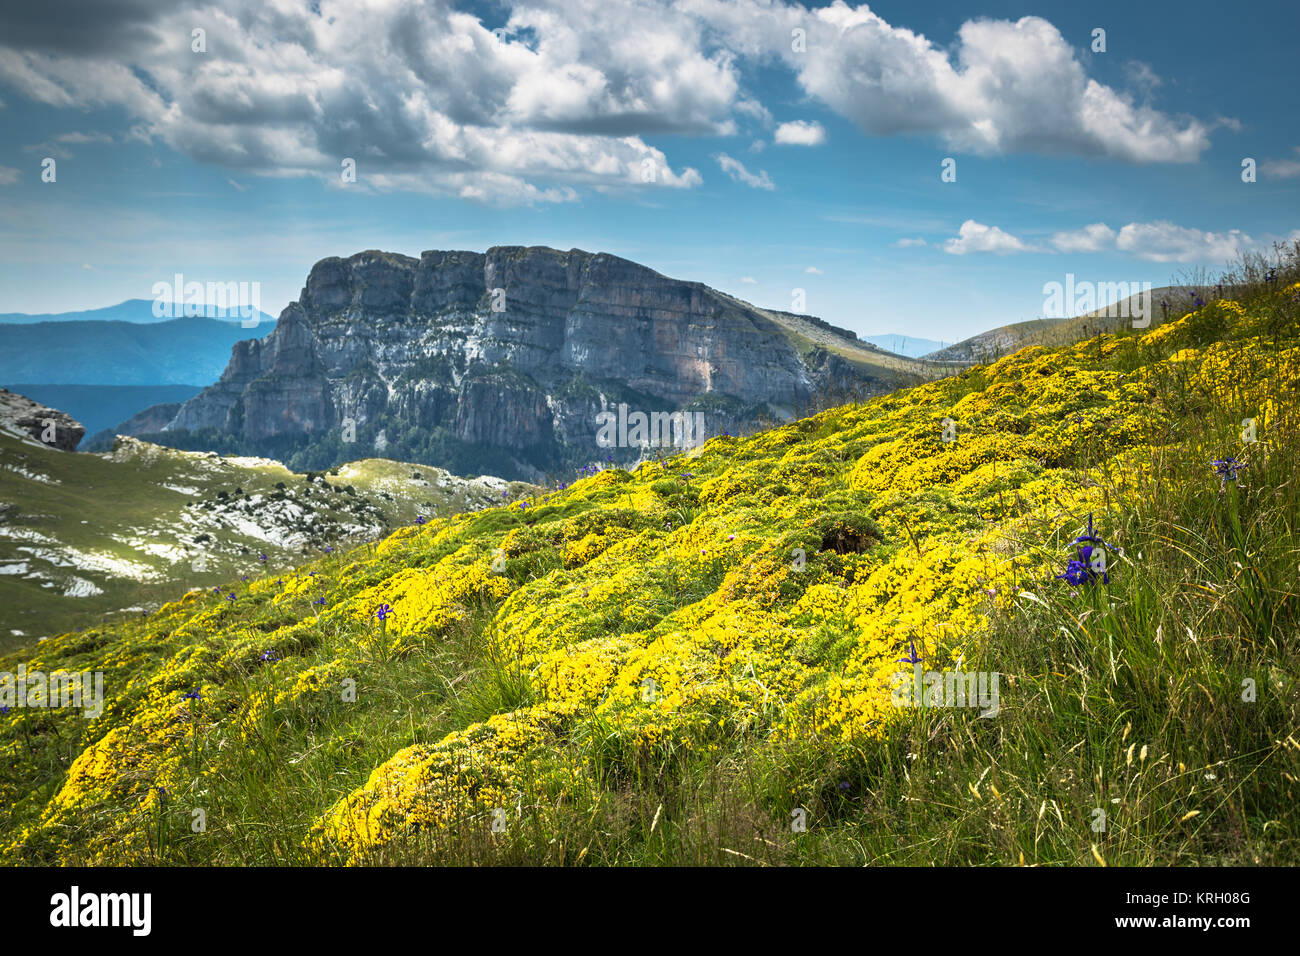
<point>32,421</point>
<point>516,349</point>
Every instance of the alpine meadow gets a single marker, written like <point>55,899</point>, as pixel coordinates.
<point>853,447</point>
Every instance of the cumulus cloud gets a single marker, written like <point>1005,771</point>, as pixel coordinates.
<point>800,133</point>
<point>1159,241</point>
<point>562,96</point>
<point>1165,242</point>
<point>977,237</point>
<point>738,173</point>
<point>1092,238</point>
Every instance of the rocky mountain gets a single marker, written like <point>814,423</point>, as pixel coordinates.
<point>35,424</point>
<point>501,362</point>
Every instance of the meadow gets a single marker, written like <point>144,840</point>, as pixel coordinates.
<point>692,662</point>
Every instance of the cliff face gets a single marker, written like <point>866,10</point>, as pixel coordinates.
<point>516,349</point>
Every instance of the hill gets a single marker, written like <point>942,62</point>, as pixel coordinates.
<point>83,536</point>
<point>709,659</point>
<point>995,343</point>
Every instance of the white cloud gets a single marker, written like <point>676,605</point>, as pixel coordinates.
<point>562,98</point>
<point>800,133</point>
<point>1092,238</point>
<point>977,237</point>
<point>9,176</point>
<point>737,171</point>
<point>1281,168</point>
<point>906,243</point>
<point>1166,242</point>
<point>1002,86</point>
<point>813,271</point>
<point>749,280</point>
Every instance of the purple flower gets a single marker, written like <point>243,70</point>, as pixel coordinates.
<point>911,658</point>
<point>193,695</point>
<point>320,601</point>
<point>1079,569</point>
<point>419,519</point>
<point>1227,468</point>
<point>262,558</point>
<point>270,657</point>
<point>383,611</point>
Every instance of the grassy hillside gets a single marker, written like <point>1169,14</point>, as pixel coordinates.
<point>83,535</point>
<point>1166,302</point>
<point>694,662</point>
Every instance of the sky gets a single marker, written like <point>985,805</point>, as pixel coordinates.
<point>765,148</point>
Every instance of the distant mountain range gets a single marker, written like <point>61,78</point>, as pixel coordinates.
<point>187,351</point>
<point>101,407</point>
<point>501,362</point>
<point>138,311</point>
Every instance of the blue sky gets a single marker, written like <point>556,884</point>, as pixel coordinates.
<point>775,169</point>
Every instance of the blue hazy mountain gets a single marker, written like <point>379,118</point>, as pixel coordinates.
<point>99,407</point>
<point>190,351</point>
<point>138,311</point>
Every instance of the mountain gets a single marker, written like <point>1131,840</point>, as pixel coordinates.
<point>186,351</point>
<point>100,407</point>
<point>84,535</point>
<point>907,345</point>
<point>502,361</point>
<point>850,639</point>
<point>138,311</point>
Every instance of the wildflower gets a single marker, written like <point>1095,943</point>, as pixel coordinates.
<point>4,709</point>
<point>329,550</point>
<point>230,596</point>
<point>162,793</point>
<point>269,656</point>
<point>911,657</point>
<point>383,611</point>
<point>193,695</point>
<point>262,558</point>
<point>731,537</point>
<point>845,785</point>
<point>1227,469</point>
<point>245,577</point>
<point>1198,302</point>
<point>320,601</point>
<point>1270,276</point>
<point>1089,561</point>
<point>419,519</point>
